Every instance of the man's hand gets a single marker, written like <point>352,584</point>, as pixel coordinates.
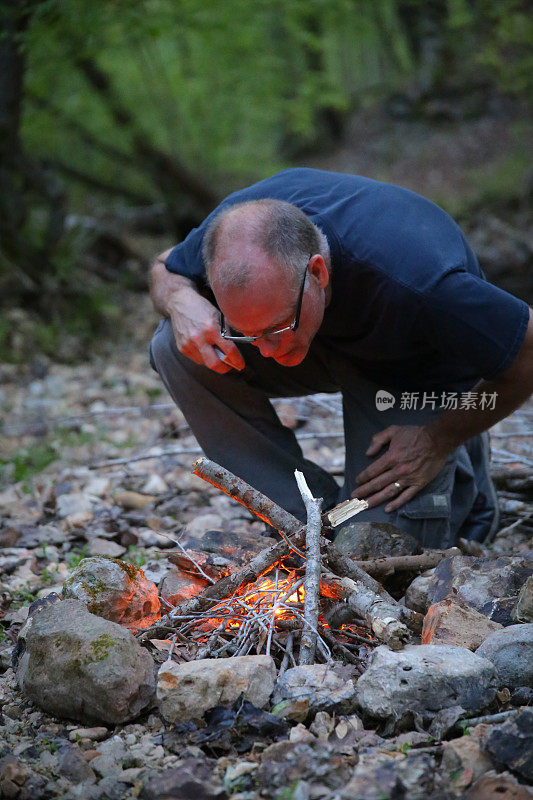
<point>412,460</point>
<point>195,321</point>
<point>196,326</point>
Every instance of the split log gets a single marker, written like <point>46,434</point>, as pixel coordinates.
<point>382,617</point>
<point>347,568</point>
<point>381,568</point>
<point>313,530</point>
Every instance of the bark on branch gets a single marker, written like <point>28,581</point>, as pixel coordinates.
<point>312,571</point>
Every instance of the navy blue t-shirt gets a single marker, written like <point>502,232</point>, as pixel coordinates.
<point>410,306</point>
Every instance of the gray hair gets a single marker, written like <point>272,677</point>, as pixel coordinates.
<point>280,229</point>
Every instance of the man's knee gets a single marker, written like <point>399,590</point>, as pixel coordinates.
<point>162,347</point>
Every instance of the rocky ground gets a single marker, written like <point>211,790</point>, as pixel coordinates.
<point>76,483</point>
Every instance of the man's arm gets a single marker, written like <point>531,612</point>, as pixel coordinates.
<point>195,321</point>
<point>416,454</point>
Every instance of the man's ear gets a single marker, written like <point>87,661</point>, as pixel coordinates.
<point>318,269</point>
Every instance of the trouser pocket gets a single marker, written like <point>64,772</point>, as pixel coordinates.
<point>427,516</point>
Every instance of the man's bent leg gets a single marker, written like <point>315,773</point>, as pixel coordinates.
<point>236,425</point>
<point>443,507</point>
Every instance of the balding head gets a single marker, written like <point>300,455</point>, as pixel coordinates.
<point>238,239</point>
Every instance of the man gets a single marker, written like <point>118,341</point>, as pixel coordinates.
<point>323,282</point>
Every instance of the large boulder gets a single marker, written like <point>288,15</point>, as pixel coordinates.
<point>79,666</point>
<point>511,652</point>
<point>422,680</point>
<point>319,687</point>
<point>115,590</point>
<point>365,540</point>
<point>490,585</point>
<point>187,691</point>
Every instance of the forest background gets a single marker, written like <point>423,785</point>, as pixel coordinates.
<point>122,124</point>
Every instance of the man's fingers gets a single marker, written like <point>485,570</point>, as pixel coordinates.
<point>384,480</point>
<point>388,492</point>
<point>210,358</point>
<point>402,498</point>
<point>232,353</point>
<point>379,440</point>
<point>374,470</point>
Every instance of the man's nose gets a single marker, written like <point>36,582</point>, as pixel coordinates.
<point>267,347</point>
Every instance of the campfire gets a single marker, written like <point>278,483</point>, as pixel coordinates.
<point>267,616</point>
<point>299,601</point>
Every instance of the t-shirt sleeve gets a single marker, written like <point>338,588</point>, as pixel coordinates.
<point>475,323</point>
<point>186,258</point>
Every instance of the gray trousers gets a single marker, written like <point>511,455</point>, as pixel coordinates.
<point>237,427</point>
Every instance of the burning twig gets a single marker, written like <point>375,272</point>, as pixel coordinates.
<point>312,570</point>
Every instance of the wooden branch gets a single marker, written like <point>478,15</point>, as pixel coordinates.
<point>383,617</point>
<point>381,568</point>
<point>254,500</point>
<point>312,571</point>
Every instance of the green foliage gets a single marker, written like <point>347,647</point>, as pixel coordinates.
<point>25,463</point>
<point>136,556</point>
<point>75,556</point>
<point>220,85</point>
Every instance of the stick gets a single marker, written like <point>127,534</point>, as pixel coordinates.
<point>312,570</point>
<point>288,654</point>
<point>381,616</point>
<point>345,566</point>
<point>385,567</point>
<point>258,503</point>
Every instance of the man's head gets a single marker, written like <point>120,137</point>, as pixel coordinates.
<point>256,254</point>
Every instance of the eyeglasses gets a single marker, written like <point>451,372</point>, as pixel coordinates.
<point>228,334</point>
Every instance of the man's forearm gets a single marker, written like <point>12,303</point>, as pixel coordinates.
<point>501,398</point>
<point>164,284</point>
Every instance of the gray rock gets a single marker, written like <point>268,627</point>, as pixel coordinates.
<point>490,585</point>
<point>178,586</point>
<point>112,788</point>
<point>422,680</point>
<point>112,754</point>
<point>322,688</point>
<point>383,776</point>
<point>79,666</point>
<point>362,540</point>
<point>115,590</point>
<point>74,503</point>
<point>498,787</point>
<point>523,611</point>
<point>511,652</point>
<point>417,593</point>
<point>74,766</point>
<point>104,547</point>
<point>511,744</point>
<point>192,779</point>
<point>187,691</point>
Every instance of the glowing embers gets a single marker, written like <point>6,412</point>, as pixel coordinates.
<point>266,616</point>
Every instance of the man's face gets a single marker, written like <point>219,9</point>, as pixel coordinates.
<point>268,303</point>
